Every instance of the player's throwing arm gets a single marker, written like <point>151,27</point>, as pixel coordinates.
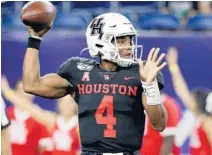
<point>39,16</point>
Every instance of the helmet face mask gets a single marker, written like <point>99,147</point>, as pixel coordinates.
<point>127,55</point>
<point>102,34</point>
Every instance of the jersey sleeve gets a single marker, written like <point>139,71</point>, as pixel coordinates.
<point>66,70</point>
<point>5,122</point>
<point>69,68</point>
<point>160,80</point>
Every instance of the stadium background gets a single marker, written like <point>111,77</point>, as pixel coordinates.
<point>67,39</point>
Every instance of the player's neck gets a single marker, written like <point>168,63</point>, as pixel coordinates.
<point>108,66</point>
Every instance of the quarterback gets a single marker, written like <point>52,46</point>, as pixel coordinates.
<point>111,94</point>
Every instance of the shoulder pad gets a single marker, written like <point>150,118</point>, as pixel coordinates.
<point>83,60</point>
<point>83,63</point>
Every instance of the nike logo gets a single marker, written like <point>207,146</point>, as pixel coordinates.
<point>128,78</point>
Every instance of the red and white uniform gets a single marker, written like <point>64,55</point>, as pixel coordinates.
<point>5,122</point>
<point>199,144</point>
<point>153,140</point>
<point>65,137</point>
<point>25,132</point>
<point>44,143</point>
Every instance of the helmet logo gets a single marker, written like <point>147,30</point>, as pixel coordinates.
<point>97,27</point>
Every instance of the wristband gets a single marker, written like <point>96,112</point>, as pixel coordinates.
<point>36,37</point>
<point>34,43</point>
<point>9,93</point>
<point>174,68</point>
<point>152,92</point>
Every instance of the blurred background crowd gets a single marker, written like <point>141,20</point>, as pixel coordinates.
<point>182,29</point>
<point>148,15</point>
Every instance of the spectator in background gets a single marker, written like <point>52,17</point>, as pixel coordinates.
<point>25,132</point>
<point>199,102</point>
<point>186,9</point>
<point>5,122</point>
<point>162,142</point>
<point>63,128</point>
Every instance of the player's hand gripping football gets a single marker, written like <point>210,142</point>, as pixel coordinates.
<point>40,33</point>
<point>152,66</point>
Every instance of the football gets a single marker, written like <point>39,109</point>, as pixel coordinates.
<point>38,14</point>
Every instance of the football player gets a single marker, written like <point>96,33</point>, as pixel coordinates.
<point>63,130</point>
<point>199,102</point>
<point>112,94</point>
<point>25,132</point>
<point>163,142</point>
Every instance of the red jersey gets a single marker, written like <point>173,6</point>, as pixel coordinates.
<point>46,145</point>
<point>65,137</point>
<point>46,152</point>
<point>199,144</point>
<point>25,132</point>
<point>153,140</point>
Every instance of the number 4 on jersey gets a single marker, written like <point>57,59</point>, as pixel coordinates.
<point>109,119</point>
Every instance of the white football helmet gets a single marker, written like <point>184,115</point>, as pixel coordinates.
<point>103,30</point>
